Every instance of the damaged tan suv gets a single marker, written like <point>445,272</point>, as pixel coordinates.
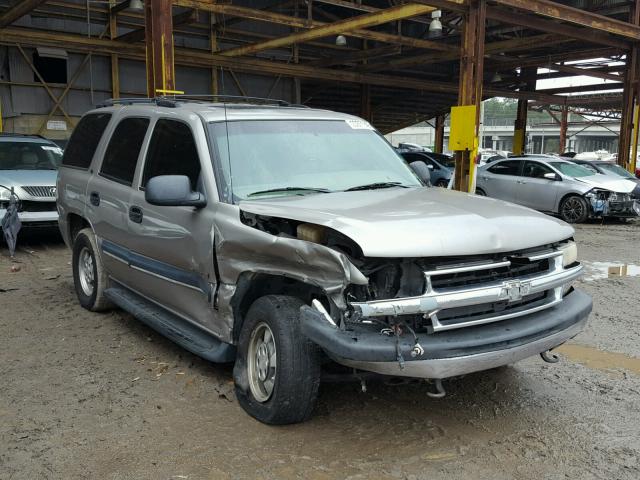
<point>285,239</point>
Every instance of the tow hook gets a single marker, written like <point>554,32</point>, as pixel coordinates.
<point>440,391</point>
<point>549,357</point>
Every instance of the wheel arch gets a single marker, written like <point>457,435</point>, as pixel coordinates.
<point>570,194</point>
<point>252,285</point>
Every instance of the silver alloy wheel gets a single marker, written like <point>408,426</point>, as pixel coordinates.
<point>261,359</point>
<point>573,209</point>
<point>86,271</point>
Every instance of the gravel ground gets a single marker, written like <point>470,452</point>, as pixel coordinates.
<point>102,396</point>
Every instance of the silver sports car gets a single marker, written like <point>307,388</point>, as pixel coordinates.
<point>557,186</point>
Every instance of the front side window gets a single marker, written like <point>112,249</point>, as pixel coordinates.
<point>172,151</point>
<point>35,155</point>
<point>84,140</point>
<point>571,169</point>
<point>292,157</point>
<point>124,147</point>
<point>535,170</point>
<point>510,167</point>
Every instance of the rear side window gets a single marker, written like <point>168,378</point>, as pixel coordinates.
<point>510,167</point>
<point>120,160</point>
<point>85,139</point>
<point>172,151</point>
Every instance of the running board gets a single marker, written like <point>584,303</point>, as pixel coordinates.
<point>176,329</point>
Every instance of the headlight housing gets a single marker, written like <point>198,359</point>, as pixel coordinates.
<point>569,253</point>
<point>5,194</point>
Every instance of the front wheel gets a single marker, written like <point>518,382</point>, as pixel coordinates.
<point>277,370</point>
<point>574,209</point>
<point>442,183</point>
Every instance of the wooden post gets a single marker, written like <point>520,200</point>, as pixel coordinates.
<point>159,40</point>
<point>115,64</point>
<point>564,119</point>
<point>470,86</point>
<point>528,78</point>
<point>438,146</point>
<point>214,48</point>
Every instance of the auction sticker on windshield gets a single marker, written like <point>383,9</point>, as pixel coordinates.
<point>358,124</point>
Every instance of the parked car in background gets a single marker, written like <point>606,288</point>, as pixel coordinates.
<point>493,158</point>
<point>441,166</point>
<point>287,239</point>
<point>29,164</point>
<point>413,147</point>
<point>558,186</point>
<point>608,168</point>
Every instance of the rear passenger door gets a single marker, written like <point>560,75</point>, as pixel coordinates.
<point>172,247</point>
<point>500,180</point>
<point>110,191</point>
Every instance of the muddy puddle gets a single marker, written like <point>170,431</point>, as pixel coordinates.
<point>594,358</point>
<point>603,270</point>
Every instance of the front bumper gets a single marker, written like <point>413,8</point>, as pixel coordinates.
<point>454,352</point>
<point>35,218</point>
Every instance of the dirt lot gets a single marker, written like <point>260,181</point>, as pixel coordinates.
<point>101,396</point>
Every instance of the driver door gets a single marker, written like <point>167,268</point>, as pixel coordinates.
<point>535,191</point>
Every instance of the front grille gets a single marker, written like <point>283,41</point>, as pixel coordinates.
<point>508,272</point>
<point>475,291</point>
<point>31,206</point>
<point>473,313</point>
<point>41,191</point>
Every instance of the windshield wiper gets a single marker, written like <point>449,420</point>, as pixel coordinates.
<point>373,186</point>
<point>290,189</point>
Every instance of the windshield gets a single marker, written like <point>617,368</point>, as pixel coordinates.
<point>616,170</point>
<point>261,158</point>
<point>571,169</point>
<point>29,156</point>
<point>444,160</point>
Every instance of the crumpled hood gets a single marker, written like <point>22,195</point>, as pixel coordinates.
<point>608,182</point>
<point>18,178</point>
<point>419,222</point>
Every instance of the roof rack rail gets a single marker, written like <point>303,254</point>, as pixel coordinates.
<point>33,135</point>
<point>230,98</point>
<point>160,101</point>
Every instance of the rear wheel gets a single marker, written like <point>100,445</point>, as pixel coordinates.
<point>89,278</point>
<point>277,370</point>
<point>480,192</point>
<point>442,183</point>
<point>574,209</point>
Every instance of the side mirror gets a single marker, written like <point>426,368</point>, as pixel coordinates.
<point>422,170</point>
<point>173,191</point>
<point>552,176</point>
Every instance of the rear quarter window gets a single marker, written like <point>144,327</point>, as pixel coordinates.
<point>84,140</point>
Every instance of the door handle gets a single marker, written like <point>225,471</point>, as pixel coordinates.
<point>94,198</point>
<point>135,214</point>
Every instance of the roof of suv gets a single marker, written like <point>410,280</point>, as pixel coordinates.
<point>218,111</point>
<point>20,137</point>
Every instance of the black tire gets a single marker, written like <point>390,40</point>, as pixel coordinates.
<point>442,183</point>
<point>574,209</point>
<point>296,377</point>
<point>480,192</point>
<point>90,293</point>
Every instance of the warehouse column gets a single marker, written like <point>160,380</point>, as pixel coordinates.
<point>528,79</point>
<point>115,70</point>
<point>564,119</point>
<point>438,144</point>
<point>159,40</point>
<point>629,97</point>
<point>465,119</point>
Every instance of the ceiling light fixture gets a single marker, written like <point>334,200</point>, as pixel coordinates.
<point>435,27</point>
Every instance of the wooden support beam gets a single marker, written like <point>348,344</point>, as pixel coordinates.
<point>184,18</point>
<point>115,61</point>
<point>550,26</point>
<point>629,95</point>
<point>589,72</point>
<point>19,10</point>
<point>204,59</point>
<point>438,146</point>
<point>576,16</point>
<point>583,88</point>
<point>528,76</point>
<point>470,87</point>
<point>564,117</point>
<point>337,28</point>
<point>159,47</point>
<point>545,60</point>
<point>278,18</point>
